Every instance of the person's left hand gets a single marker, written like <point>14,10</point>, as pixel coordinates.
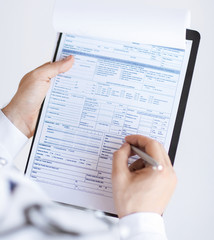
<point>24,108</point>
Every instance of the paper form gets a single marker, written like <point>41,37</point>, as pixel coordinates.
<point>114,89</point>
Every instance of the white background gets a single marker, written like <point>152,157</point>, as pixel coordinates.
<point>27,41</point>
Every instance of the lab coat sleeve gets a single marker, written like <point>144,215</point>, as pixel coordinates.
<point>12,140</point>
<point>143,225</point>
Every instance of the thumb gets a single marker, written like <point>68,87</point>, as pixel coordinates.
<point>52,69</point>
<point>120,161</point>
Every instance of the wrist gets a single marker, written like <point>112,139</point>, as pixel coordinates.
<point>14,115</point>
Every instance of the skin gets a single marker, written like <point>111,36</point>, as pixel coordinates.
<point>140,188</point>
<point>137,188</point>
<point>24,108</point>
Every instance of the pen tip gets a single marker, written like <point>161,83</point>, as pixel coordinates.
<point>159,167</point>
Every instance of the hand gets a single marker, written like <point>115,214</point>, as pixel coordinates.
<point>24,108</point>
<point>145,189</point>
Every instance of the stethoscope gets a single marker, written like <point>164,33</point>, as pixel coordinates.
<point>36,216</point>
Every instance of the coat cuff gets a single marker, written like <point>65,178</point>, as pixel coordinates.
<point>138,225</point>
<point>11,138</point>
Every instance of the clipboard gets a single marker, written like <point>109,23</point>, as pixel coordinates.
<point>35,167</point>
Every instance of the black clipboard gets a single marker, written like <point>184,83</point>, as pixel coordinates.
<point>192,35</point>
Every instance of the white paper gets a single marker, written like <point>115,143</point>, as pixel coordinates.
<point>122,20</point>
<point>113,90</point>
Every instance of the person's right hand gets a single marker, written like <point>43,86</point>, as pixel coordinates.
<point>140,188</point>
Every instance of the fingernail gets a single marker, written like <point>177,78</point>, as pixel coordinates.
<point>124,144</point>
<point>67,58</point>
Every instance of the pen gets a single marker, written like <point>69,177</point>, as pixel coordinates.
<point>147,158</point>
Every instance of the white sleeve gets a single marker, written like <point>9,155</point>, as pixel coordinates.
<point>144,226</point>
<point>12,139</point>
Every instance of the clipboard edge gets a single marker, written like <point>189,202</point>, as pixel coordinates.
<point>195,37</point>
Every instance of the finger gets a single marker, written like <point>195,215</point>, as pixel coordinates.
<point>150,146</point>
<point>52,69</point>
<point>120,161</point>
<point>137,140</point>
<point>166,156</point>
<point>138,164</point>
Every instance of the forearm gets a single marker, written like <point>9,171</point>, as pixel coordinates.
<point>12,113</point>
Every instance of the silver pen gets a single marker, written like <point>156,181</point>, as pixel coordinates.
<point>147,158</point>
